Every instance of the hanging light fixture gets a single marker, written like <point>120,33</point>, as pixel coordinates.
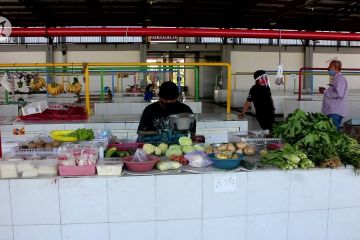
<point>279,75</point>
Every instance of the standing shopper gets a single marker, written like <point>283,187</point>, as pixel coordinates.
<point>335,97</point>
<point>260,95</point>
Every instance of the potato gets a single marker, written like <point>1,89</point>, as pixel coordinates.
<point>231,147</point>
<point>249,151</point>
<point>222,147</point>
<point>241,145</point>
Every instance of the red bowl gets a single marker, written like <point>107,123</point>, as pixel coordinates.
<point>141,166</point>
<point>274,146</point>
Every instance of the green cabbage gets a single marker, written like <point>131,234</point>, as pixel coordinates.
<point>187,149</point>
<point>185,141</point>
<point>173,151</point>
<point>163,147</point>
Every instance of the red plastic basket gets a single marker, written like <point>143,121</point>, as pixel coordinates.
<point>73,113</point>
<point>141,166</point>
<point>77,170</point>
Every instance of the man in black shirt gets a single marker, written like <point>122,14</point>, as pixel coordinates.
<point>260,95</point>
<point>156,115</point>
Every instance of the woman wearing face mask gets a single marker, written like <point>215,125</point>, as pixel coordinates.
<point>335,97</point>
<point>156,115</point>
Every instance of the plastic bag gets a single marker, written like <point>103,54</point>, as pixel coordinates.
<point>198,159</point>
<point>279,76</point>
<point>140,156</point>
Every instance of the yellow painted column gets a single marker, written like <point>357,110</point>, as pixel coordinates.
<point>87,88</point>
<point>228,104</point>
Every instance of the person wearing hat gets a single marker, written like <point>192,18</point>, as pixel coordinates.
<point>156,115</point>
<point>260,95</point>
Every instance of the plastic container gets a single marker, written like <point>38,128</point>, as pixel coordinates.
<point>88,170</point>
<point>141,166</point>
<point>34,108</point>
<point>226,163</point>
<point>126,146</point>
<point>28,168</point>
<point>109,168</point>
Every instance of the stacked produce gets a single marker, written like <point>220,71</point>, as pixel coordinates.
<point>82,134</point>
<point>286,158</point>
<point>36,83</point>
<point>55,89</point>
<point>74,87</point>
<point>315,135</point>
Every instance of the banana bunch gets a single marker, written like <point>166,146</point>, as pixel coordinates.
<point>36,84</point>
<point>74,87</point>
<point>55,89</point>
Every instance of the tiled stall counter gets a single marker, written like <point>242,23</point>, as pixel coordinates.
<point>265,204</point>
<point>213,126</point>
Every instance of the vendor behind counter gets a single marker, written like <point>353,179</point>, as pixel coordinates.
<point>155,117</point>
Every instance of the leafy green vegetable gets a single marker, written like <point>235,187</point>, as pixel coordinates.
<point>82,134</point>
<point>185,141</point>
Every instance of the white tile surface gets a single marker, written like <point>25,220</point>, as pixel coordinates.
<point>343,224</point>
<point>133,231</point>
<point>98,231</point>
<point>267,226</point>
<point>6,233</point>
<point>224,204</point>
<point>179,230</point>
<point>35,201</point>
<point>268,192</point>
<point>115,126</point>
<point>34,128</point>
<point>131,126</point>
<point>345,188</point>
<point>309,190</point>
<point>50,127</point>
<point>5,206</point>
<point>74,126</point>
<point>214,124</point>
<point>308,225</point>
<point>83,200</point>
<point>131,198</point>
<point>171,192</point>
<point>37,232</point>
<point>230,228</point>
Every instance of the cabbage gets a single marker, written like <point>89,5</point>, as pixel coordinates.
<point>173,151</point>
<point>157,151</point>
<point>148,148</point>
<point>187,149</point>
<point>175,146</point>
<point>163,147</point>
<point>185,141</point>
<point>199,148</point>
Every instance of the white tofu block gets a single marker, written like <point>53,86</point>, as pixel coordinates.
<point>47,170</point>
<point>29,173</point>
<point>8,167</point>
<point>8,174</point>
<point>24,166</point>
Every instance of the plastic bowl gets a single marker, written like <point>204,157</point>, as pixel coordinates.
<point>140,166</point>
<point>225,163</point>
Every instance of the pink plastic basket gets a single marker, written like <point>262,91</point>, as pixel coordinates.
<point>77,170</point>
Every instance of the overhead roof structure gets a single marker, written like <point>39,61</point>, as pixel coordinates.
<point>328,15</point>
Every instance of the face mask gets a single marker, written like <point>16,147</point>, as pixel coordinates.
<point>331,72</point>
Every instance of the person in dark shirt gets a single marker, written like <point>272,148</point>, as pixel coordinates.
<point>260,95</point>
<point>156,116</point>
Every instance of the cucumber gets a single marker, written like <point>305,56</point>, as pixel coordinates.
<point>110,152</point>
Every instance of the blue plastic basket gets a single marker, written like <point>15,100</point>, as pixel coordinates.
<point>226,163</point>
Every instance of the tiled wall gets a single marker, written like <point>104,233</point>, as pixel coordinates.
<point>266,204</point>
<point>133,108</point>
<point>8,110</point>
<point>214,131</point>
